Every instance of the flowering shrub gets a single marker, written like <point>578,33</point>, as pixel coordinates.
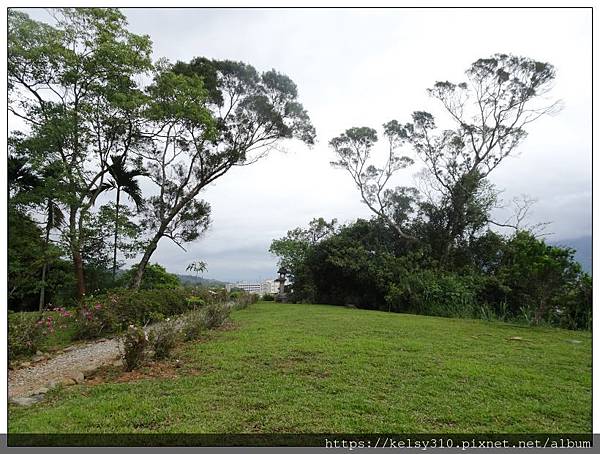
<point>163,338</point>
<point>62,312</point>
<point>94,320</point>
<point>25,333</point>
<point>124,307</point>
<point>133,347</point>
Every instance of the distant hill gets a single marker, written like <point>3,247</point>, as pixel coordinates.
<point>583,248</point>
<point>189,279</point>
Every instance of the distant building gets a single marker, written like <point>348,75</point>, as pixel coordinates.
<point>270,286</point>
<point>260,288</point>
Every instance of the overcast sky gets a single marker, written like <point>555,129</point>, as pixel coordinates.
<point>363,68</point>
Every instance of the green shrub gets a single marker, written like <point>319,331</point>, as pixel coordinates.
<point>114,311</point>
<point>133,347</point>
<point>434,293</point>
<point>215,315</point>
<point>195,301</point>
<point>235,294</point>
<point>155,277</point>
<point>25,333</point>
<point>193,325</point>
<point>268,297</point>
<point>163,338</point>
<point>246,300</point>
<point>95,319</point>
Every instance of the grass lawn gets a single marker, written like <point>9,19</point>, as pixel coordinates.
<point>307,368</point>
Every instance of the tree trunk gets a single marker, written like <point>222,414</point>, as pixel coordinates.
<point>139,273</point>
<point>540,312</point>
<point>78,264</point>
<point>74,244</point>
<point>116,234</point>
<point>45,266</point>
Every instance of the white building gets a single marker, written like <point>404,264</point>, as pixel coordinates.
<point>260,288</point>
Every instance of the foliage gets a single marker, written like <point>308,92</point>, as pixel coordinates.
<point>134,343</point>
<point>25,334</point>
<point>434,293</point>
<point>197,267</point>
<point>74,85</point>
<point>519,278</point>
<point>214,315</point>
<point>163,338</point>
<point>155,277</point>
<point>267,297</point>
<point>29,332</point>
<point>246,300</point>
<point>95,319</point>
<point>216,114</point>
<point>292,248</point>
<point>195,301</point>
<point>143,306</point>
<point>354,149</point>
<point>24,258</point>
<point>193,325</point>
<point>545,279</point>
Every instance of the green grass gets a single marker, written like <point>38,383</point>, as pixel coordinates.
<point>309,368</point>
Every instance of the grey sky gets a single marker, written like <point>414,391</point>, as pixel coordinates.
<point>363,68</point>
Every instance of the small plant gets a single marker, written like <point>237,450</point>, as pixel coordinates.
<point>268,297</point>
<point>215,315</point>
<point>163,339</point>
<point>193,325</point>
<point>133,348</point>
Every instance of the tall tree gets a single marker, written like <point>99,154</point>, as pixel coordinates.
<point>208,117</point>
<point>73,83</point>
<point>123,179</point>
<point>502,95</point>
<point>354,151</point>
<point>32,189</point>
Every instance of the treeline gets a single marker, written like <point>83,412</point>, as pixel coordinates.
<point>436,249</point>
<point>366,265</point>
<point>109,151</point>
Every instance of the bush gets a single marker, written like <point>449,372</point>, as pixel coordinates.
<point>193,325</point>
<point>195,301</point>
<point>155,277</point>
<point>94,320</point>
<point>246,300</point>
<point>163,339</point>
<point>25,333</point>
<point>268,297</point>
<point>115,310</point>
<point>434,293</point>
<point>133,348</point>
<point>215,315</point>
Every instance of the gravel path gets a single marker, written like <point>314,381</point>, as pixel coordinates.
<point>81,359</point>
<point>69,367</point>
